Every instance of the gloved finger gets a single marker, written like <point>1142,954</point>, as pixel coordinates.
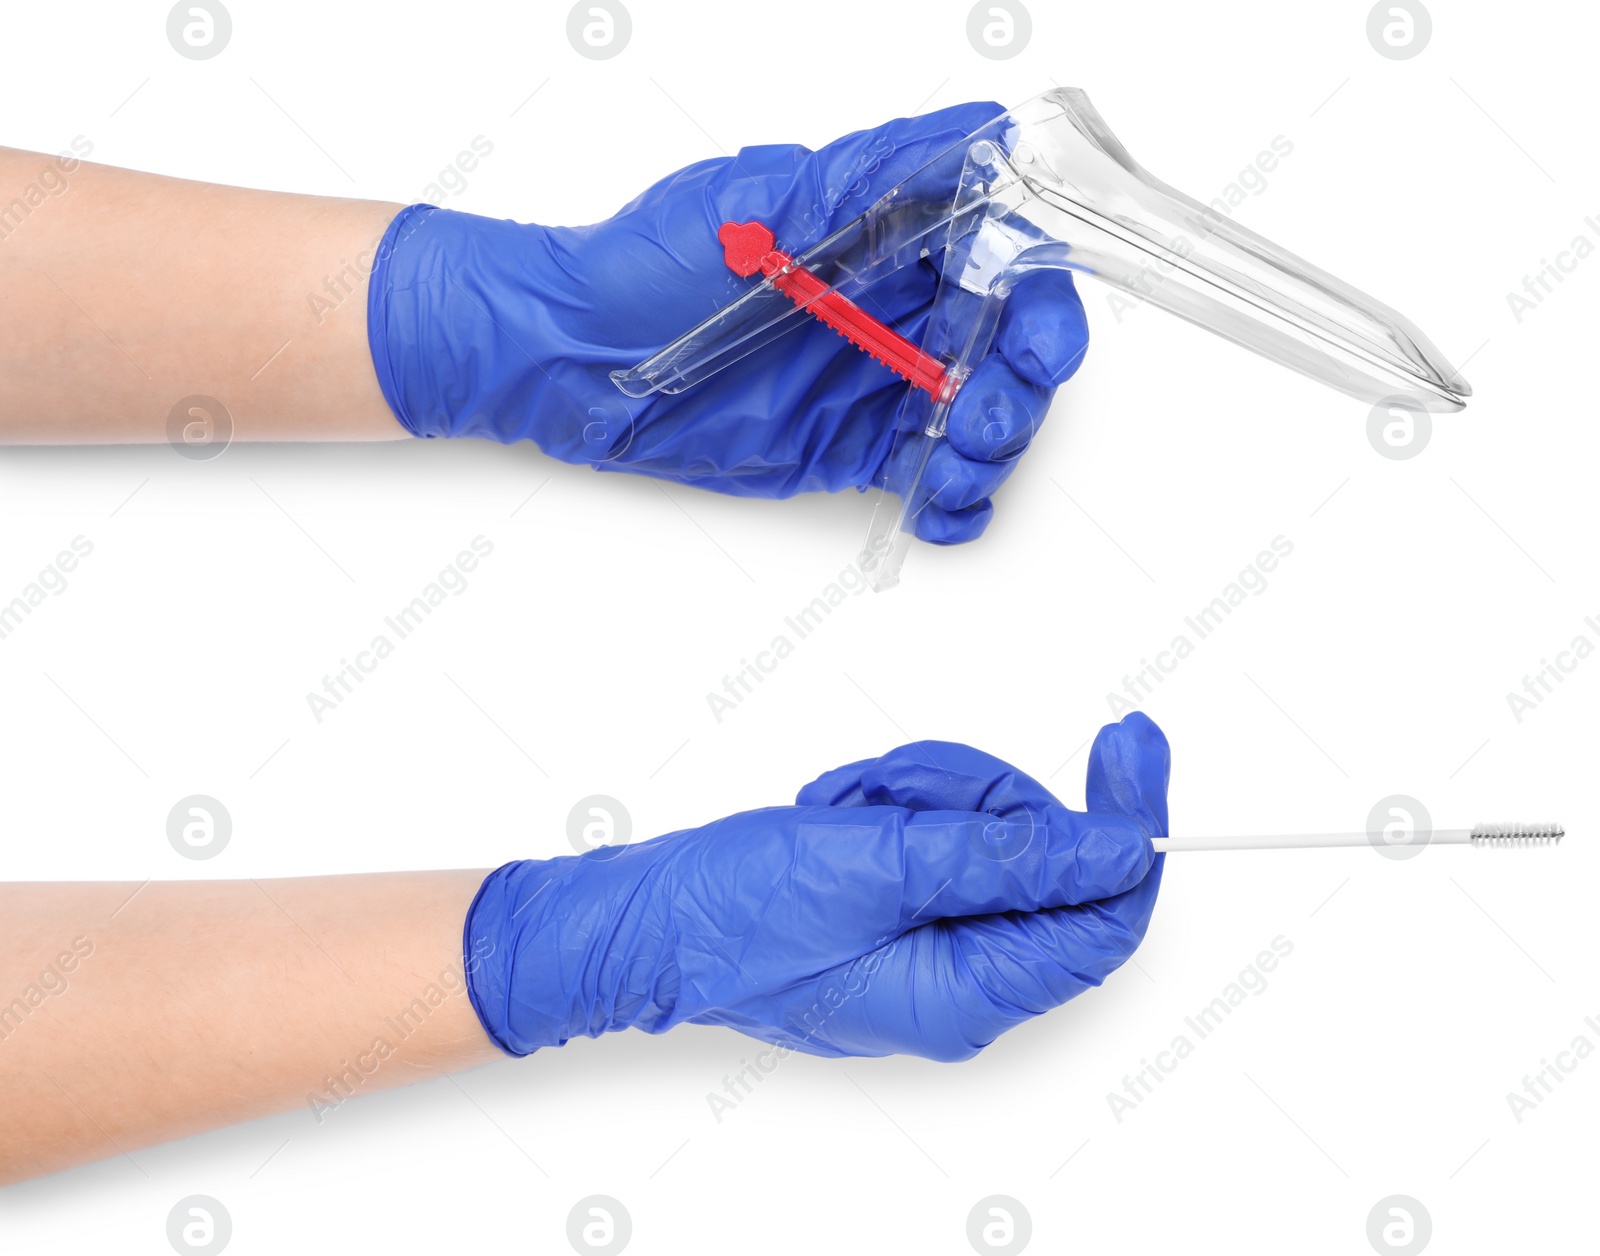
<point>930,776</point>
<point>996,413</point>
<point>951,505</point>
<point>942,776</point>
<point>938,526</point>
<point>1035,961</point>
<point>1043,331</point>
<point>887,870</point>
<point>961,864</point>
<point>1130,765</point>
<point>952,482</point>
<point>838,787</point>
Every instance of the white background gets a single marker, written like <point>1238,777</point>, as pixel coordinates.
<point>1378,1059</point>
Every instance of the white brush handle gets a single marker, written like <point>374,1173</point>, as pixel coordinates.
<point>1294,841</point>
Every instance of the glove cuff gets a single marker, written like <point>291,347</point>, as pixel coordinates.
<point>462,322</point>
<point>387,338</point>
<point>501,924</point>
<point>565,948</point>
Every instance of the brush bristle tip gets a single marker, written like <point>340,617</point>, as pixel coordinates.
<point>1517,834</point>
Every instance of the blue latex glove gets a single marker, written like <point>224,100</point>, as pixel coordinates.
<point>486,327</point>
<point>922,903</point>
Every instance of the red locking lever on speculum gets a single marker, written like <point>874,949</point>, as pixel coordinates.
<point>749,247</point>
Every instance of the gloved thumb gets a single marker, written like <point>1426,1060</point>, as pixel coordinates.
<point>817,192</point>
<point>863,165</point>
<point>1129,767</point>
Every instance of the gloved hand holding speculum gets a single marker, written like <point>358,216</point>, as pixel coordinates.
<point>921,903</point>
<point>490,328</point>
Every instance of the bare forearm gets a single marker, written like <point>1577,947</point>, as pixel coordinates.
<point>123,293</point>
<point>132,1015</point>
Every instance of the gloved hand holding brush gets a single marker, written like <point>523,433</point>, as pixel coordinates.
<point>920,903</point>
<point>923,902</point>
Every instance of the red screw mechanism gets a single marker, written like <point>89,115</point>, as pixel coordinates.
<point>750,246</point>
